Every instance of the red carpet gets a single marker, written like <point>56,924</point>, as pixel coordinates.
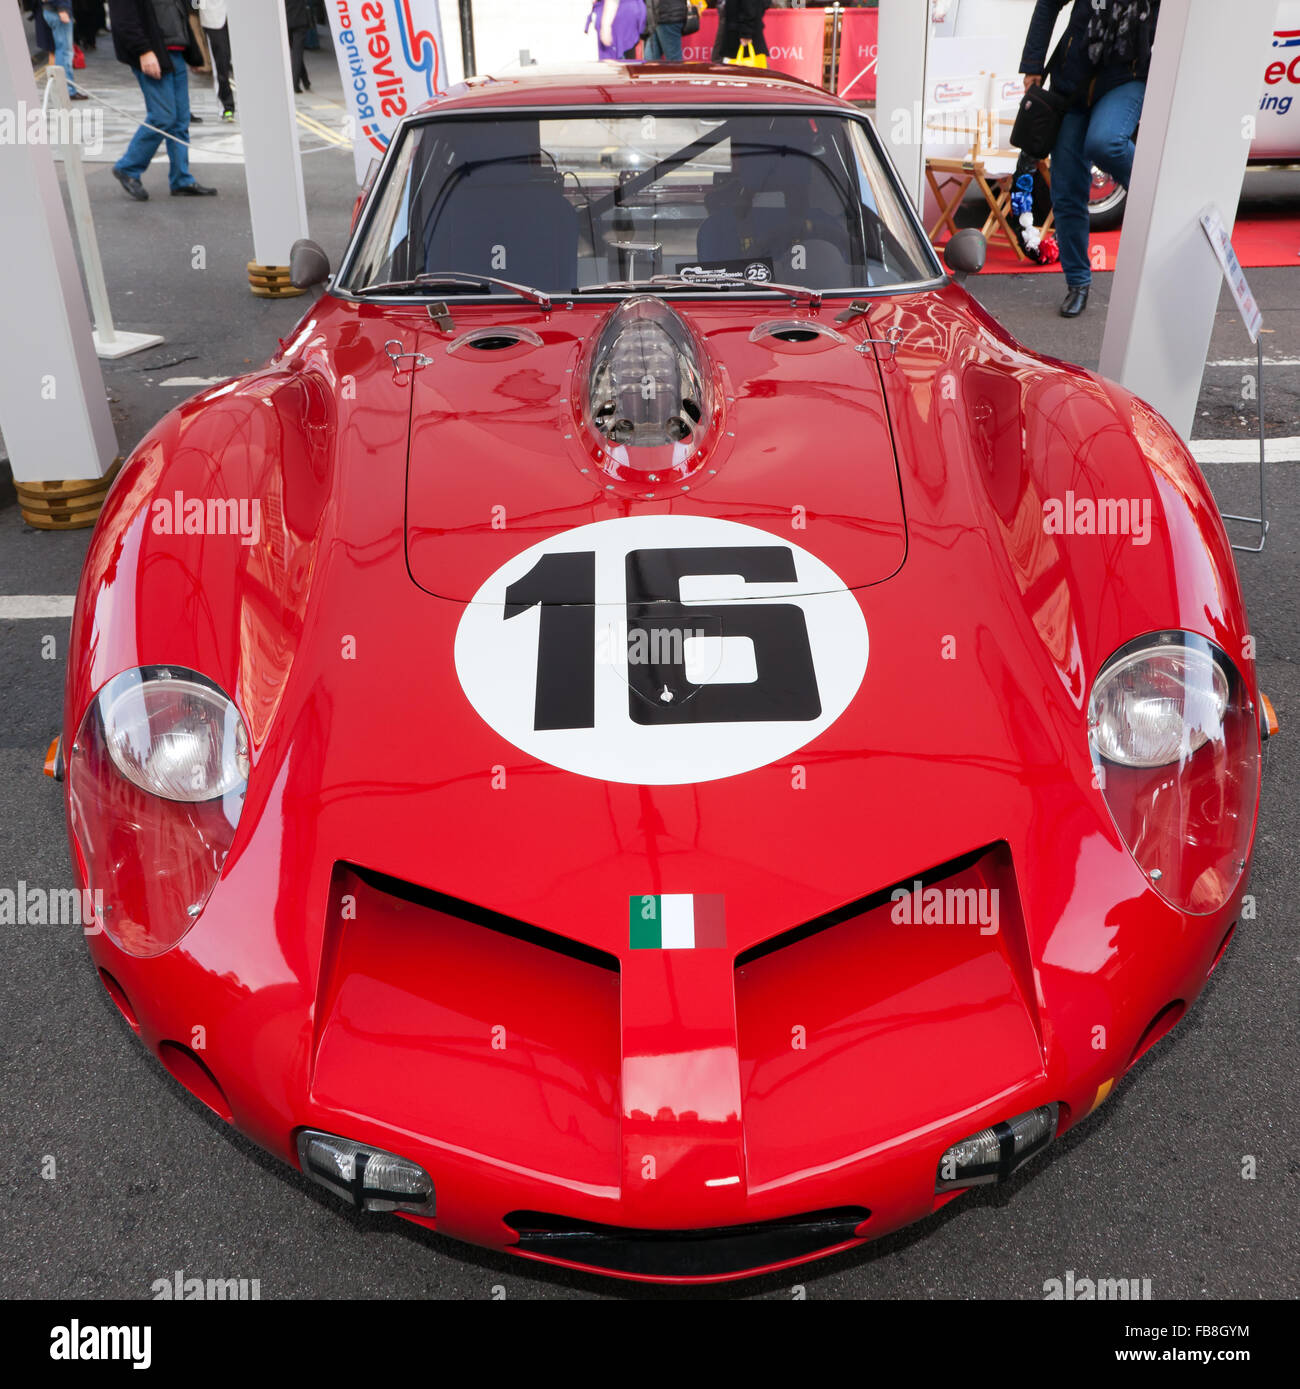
<point>1263,239</point>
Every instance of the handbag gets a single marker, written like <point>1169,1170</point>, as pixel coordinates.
<point>1038,121</point>
<point>691,24</point>
<point>747,57</point>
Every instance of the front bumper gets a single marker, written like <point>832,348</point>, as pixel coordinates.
<point>507,1063</point>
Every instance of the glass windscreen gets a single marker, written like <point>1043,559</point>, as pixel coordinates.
<point>576,202</point>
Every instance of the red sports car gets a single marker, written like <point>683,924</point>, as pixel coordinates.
<point>652,734</point>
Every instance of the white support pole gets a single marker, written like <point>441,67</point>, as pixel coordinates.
<point>900,88</point>
<point>66,136</point>
<point>53,410</point>
<point>1202,97</point>
<point>259,50</point>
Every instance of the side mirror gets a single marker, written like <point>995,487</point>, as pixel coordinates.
<point>964,253</point>
<point>308,264</point>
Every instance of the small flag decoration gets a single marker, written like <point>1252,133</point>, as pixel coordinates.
<point>677,921</point>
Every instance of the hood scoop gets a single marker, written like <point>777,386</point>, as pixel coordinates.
<point>649,395</point>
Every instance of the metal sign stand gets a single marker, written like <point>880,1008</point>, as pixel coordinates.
<point>1221,242</point>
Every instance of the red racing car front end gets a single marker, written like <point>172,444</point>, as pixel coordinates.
<point>651,734</point>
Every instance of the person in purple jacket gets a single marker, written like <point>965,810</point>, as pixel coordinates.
<point>618,26</point>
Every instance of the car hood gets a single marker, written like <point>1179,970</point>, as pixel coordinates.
<point>502,454</point>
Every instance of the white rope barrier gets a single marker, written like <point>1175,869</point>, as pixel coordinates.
<point>203,148</point>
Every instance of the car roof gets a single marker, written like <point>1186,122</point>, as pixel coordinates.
<point>630,84</point>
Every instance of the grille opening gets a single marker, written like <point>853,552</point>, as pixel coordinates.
<point>483,916</point>
<point>797,334</point>
<point>859,908</point>
<point>118,994</point>
<point>494,342</point>
<point>705,1253</point>
<point>185,1066</point>
<point>1159,1026</point>
<point>1222,950</point>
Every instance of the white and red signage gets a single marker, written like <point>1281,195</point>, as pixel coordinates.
<point>390,56</point>
<point>859,51</point>
<point>796,41</point>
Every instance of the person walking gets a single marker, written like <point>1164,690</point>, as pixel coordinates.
<point>212,15</point>
<point>618,27</point>
<point>665,20</point>
<point>297,14</point>
<point>741,22</point>
<point>59,18</point>
<point>154,39</point>
<point>1100,66</point>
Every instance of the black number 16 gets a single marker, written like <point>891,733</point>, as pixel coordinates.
<point>563,587</point>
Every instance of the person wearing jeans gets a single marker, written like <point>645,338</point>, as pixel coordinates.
<point>1101,66</point>
<point>59,18</point>
<point>1102,135</point>
<point>154,39</point>
<point>664,40</point>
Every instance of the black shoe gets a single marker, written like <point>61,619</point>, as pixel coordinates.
<point>134,188</point>
<point>195,120</point>
<point>193,190</point>
<point>1075,301</point>
<point>78,96</point>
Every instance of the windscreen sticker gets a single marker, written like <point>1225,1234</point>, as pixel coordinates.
<point>662,650</point>
<point>754,271</point>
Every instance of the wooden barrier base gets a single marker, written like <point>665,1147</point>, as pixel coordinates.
<point>271,281</point>
<point>66,505</point>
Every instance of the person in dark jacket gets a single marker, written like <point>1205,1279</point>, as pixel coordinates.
<point>1101,66</point>
<point>741,21</point>
<point>666,19</point>
<point>297,14</point>
<point>154,39</point>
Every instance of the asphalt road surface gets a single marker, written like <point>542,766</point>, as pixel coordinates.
<point>147,1182</point>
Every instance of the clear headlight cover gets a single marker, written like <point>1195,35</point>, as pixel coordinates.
<point>156,782</point>
<point>1175,749</point>
<point>174,734</point>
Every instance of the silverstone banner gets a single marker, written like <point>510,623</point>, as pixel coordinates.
<point>391,60</point>
<point>796,41</point>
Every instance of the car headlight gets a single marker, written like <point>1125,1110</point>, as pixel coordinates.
<point>156,783</point>
<point>1175,750</point>
<point>174,735</point>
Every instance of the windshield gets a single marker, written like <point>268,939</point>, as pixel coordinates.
<point>576,202</point>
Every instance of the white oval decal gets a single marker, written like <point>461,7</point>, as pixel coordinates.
<point>662,650</point>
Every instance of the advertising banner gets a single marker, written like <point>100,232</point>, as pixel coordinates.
<point>391,61</point>
<point>796,40</point>
<point>859,49</point>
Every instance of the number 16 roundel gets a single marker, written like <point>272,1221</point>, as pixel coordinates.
<point>662,649</point>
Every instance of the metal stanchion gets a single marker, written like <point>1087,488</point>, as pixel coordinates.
<point>108,341</point>
<point>467,37</point>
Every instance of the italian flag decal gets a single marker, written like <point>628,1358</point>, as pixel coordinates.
<point>677,921</point>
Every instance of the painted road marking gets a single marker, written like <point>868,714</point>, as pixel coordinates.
<point>1286,450</point>
<point>24,605</point>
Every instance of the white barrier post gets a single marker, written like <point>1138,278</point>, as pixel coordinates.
<point>1202,95</point>
<point>109,342</point>
<point>53,410</point>
<point>900,89</point>
<point>259,50</point>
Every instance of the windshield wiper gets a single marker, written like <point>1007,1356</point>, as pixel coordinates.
<point>800,293</point>
<point>458,279</point>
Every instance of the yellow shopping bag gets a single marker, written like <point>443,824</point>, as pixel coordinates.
<point>746,57</point>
